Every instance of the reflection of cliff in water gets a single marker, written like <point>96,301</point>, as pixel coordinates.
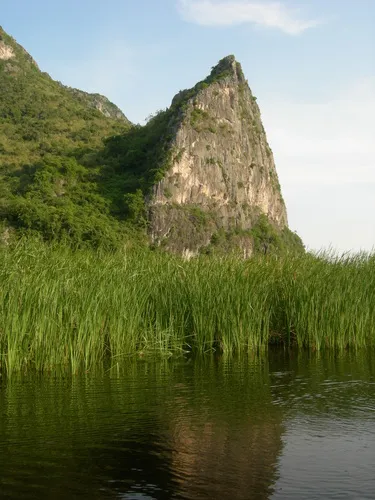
<point>164,430</point>
<point>227,463</point>
<point>228,445</point>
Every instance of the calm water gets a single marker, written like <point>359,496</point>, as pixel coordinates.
<point>288,426</point>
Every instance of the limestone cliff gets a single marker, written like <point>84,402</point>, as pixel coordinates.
<point>221,174</point>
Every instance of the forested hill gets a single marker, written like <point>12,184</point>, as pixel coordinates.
<point>49,135</point>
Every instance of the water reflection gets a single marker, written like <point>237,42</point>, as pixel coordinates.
<point>230,442</point>
<point>204,429</point>
<point>329,440</point>
<point>286,426</point>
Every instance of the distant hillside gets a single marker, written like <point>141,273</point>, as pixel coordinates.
<point>99,102</point>
<point>39,115</point>
<point>49,134</point>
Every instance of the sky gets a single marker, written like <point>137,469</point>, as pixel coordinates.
<point>310,63</point>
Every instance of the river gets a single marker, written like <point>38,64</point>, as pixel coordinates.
<point>286,425</point>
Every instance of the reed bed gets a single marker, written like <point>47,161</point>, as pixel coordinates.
<point>76,308</point>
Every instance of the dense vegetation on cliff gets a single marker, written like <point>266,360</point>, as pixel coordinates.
<point>73,168</point>
<point>49,137</point>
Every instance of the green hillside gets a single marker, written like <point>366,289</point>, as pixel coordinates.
<point>49,137</point>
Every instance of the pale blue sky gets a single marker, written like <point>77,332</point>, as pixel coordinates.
<point>311,63</point>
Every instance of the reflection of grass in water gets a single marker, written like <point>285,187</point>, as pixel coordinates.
<point>211,418</point>
<point>214,417</point>
<point>75,308</point>
<point>163,389</point>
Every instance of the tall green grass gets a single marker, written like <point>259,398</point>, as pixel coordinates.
<point>64,307</point>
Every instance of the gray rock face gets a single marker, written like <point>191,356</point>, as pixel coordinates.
<point>9,49</point>
<point>6,52</point>
<point>99,102</point>
<point>222,174</point>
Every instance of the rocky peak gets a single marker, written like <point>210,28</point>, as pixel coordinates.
<point>221,175</point>
<point>228,68</point>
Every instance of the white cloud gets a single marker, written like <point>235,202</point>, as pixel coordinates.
<point>325,157</point>
<point>235,12</point>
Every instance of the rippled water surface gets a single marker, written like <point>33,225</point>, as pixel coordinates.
<point>284,426</point>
